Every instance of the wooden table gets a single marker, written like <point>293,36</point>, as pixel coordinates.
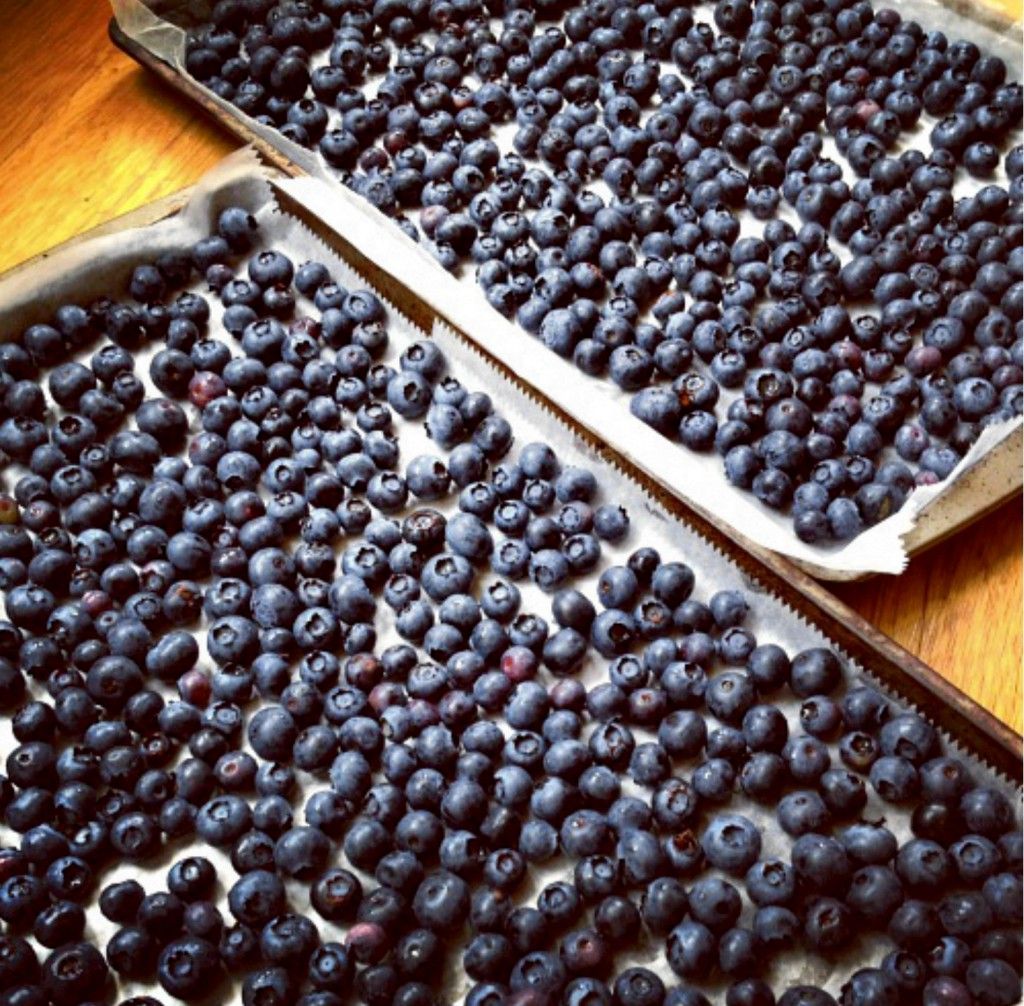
<point>86,135</point>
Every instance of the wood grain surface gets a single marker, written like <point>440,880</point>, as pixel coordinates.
<point>86,135</point>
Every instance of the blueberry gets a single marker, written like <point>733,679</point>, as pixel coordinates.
<point>638,986</point>
<point>256,897</point>
<point>583,833</point>
<point>617,586</point>
<point>974,857</point>
<point>945,988</point>
<point>765,728</point>
<point>993,982</point>
<point>769,666</point>
<point>301,852</point>
<point>763,776</point>
<point>691,950</point>
<point>611,522</point>
<point>749,991</point>
<point>188,967</point>
<point>802,811</point>
<point>730,695</point>
<point>548,568</point>
<point>237,226</point>
<point>73,973</point>
<point>714,903</point>
<point>613,632</point>
<point>441,902</point>
<point>986,811</point>
<point>539,971</point>
<point>640,856</point>
<point>731,842</point>
<point>59,923</point>
<point>267,983</point>
<point>1003,894</point>
<point>132,952</point>
<point>335,894</point>
<point>914,925</point>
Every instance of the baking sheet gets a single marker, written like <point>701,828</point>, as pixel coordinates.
<point>90,268</point>
<point>994,461</point>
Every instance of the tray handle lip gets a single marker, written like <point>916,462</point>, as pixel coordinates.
<point>116,35</point>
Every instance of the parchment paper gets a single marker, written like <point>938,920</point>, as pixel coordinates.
<point>598,403</point>
<point>99,266</point>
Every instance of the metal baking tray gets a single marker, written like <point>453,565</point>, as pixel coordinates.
<point>994,478</point>
<point>789,600</point>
